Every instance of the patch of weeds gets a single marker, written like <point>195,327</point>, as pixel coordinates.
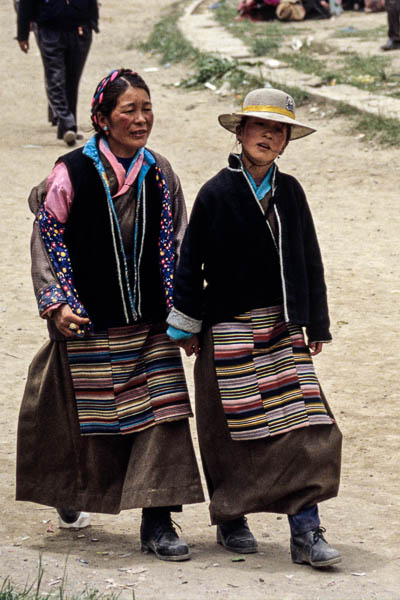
<point>345,110</point>
<point>210,68</point>
<point>319,48</point>
<point>167,40</point>
<point>366,34</point>
<point>382,130</point>
<point>305,62</point>
<point>364,73</point>
<point>33,591</point>
<point>371,65</point>
<point>263,46</point>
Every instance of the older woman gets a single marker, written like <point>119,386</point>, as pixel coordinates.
<point>104,419</point>
<point>267,437</point>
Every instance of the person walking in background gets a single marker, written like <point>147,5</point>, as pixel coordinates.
<point>393,17</point>
<point>64,35</point>
<point>103,425</point>
<point>50,115</point>
<point>268,440</point>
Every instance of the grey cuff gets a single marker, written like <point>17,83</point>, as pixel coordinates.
<point>181,321</point>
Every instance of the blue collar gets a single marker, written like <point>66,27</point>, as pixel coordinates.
<point>264,186</point>
<point>91,150</point>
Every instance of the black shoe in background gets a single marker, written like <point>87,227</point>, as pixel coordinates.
<point>391,45</point>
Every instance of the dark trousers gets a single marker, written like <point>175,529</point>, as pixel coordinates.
<point>393,15</point>
<point>64,55</point>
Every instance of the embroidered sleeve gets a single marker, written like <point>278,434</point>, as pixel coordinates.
<point>52,234</point>
<point>50,297</point>
<point>166,239</point>
<point>179,214</point>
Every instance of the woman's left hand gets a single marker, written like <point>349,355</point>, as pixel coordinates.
<point>315,348</point>
<point>190,345</point>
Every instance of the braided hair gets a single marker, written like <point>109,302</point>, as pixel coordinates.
<point>110,88</point>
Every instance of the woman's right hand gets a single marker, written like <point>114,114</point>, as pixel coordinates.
<point>68,322</point>
<point>190,345</point>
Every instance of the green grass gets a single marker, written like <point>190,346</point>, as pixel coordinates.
<point>264,46</point>
<point>379,129</point>
<point>167,41</point>
<point>383,130</point>
<point>366,73</point>
<point>367,34</point>
<point>33,591</point>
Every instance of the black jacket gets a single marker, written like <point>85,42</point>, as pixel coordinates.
<point>226,247</point>
<point>61,15</point>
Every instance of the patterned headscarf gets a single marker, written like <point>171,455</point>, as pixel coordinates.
<point>99,92</point>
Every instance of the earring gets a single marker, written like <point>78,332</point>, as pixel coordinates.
<point>105,128</point>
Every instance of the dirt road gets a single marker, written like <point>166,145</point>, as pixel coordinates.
<point>353,191</point>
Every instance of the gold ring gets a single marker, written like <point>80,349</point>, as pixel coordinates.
<point>72,326</point>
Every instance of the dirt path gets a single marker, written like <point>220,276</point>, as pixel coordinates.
<point>353,191</point>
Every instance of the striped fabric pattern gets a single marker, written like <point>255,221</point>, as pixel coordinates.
<point>265,375</point>
<point>127,379</point>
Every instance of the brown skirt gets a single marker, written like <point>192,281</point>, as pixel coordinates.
<point>56,466</point>
<point>282,474</point>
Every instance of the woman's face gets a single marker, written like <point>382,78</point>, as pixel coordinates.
<point>130,123</point>
<point>262,140</point>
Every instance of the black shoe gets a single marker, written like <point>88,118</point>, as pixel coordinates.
<point>391,45</point>
<point>158,535</point>
<point>236,536</point>
<point>313,549</point>
<point>69,137</point>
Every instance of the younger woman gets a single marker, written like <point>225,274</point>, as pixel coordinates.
<point>267,437</point>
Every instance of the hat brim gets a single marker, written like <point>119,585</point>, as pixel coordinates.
<point>298,130</point>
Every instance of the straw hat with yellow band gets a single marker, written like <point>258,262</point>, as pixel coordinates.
<point>271,104</point>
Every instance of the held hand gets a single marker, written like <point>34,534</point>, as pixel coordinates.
<point>190,345</point>
<point>67,322</point>
<point>315,348</point>
<point>24,46</point>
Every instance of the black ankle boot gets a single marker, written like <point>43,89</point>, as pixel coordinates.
<point>236,536</point>
<point>313,549</point>
<point>158,535</point>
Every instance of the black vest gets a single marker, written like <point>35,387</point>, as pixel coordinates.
<point>104,284</point>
